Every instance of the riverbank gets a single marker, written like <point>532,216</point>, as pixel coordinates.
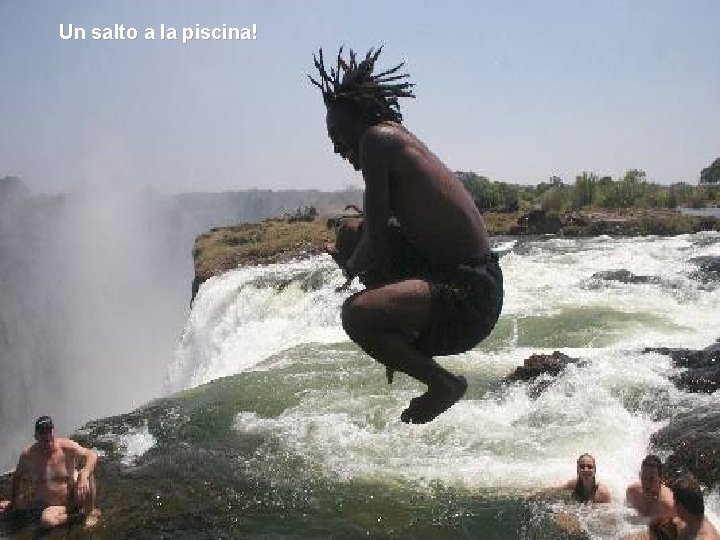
<point>283,239</point>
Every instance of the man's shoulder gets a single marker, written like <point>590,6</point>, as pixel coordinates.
<point>603,492</point>
<point>635,488</point>
<point>384,135</point>
<point>667,497</point>
<point>67,444</point>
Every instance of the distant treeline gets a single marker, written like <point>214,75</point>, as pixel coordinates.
<point>633,190</point>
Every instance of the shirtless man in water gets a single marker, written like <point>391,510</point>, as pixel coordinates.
<point>689,523</point>
<point>404,323</point>
<point>650,496</point>
<point>61,492</point>
<point>690,506</point>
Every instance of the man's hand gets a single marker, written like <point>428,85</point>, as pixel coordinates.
<point>82,487</point>
<point>360,260</point>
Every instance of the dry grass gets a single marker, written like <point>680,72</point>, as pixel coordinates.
<point>272,240</point>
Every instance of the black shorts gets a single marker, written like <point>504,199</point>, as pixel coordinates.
<point>465,304</point>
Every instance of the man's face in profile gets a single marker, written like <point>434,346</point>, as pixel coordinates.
<point>343,132</point>
<point>651,481</point>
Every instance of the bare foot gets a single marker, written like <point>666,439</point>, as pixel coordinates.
<point>431,404</point>
<point>92,519</point>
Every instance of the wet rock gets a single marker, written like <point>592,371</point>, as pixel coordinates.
<point>693,440</point>
<point>703,367</point>
<point>625,276</point>
<point>537,222</point>
<point>539,364</point>
<point>707,263</point>
<point>708,269</point>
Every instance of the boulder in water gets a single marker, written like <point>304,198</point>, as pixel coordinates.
<point>708,268</point>
<point>703,367</point>
<point>625,276</point>
<point>539,364</point>
<point>693,440</point>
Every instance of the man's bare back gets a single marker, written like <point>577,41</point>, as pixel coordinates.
<point>427,198</point>
<point>702,531</point>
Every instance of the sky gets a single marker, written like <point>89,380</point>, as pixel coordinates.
<point>516,91</point>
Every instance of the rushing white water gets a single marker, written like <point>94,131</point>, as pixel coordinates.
<point>501,438</point>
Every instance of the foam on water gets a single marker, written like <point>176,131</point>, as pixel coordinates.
<point>136,442</point>
<point>245,316</point>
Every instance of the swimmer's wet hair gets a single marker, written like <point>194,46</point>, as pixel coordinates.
<point>653,462</point>
<point>687,493</point>
<point>353,83</point>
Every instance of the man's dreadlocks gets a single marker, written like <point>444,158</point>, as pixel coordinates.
<point>375,96</point>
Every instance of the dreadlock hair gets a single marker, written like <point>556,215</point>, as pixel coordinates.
<point>375,97</point>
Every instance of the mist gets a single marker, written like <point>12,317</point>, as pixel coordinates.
<point>94,290</point>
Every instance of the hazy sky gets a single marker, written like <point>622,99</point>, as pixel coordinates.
<point>517,91</point>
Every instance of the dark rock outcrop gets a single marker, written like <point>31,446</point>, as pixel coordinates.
<point>625,276</point>
<point>693,440</point>
<point>703,367</point>
<point>708,269</point>
<point>537,222</point>
<point>707,263</point>
<point>540,364</point>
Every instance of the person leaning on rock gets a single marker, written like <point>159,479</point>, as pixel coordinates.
<point>61,493</point>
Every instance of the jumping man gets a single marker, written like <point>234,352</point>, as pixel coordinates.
<point>404,323</point>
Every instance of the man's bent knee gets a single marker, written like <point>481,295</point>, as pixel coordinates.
<point>352,318</point>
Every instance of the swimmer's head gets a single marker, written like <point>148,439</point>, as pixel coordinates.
<point>44,431</point>
<point>651,476</point>
<point>586,467</point>
<point>662,528</point>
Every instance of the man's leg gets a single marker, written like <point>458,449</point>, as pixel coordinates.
<point>385,322</point>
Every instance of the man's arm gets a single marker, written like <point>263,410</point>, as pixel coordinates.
<point>631,496</point>
<point>376,151</point>
<point>82,486</point>
<point>569,485</point>
<point>18,473</point>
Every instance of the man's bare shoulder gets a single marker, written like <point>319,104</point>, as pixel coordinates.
<point>385,136</point>
<point>68,445</point>
<point>633,495</point>
<point>603,493</point>
<point>25,455</point>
